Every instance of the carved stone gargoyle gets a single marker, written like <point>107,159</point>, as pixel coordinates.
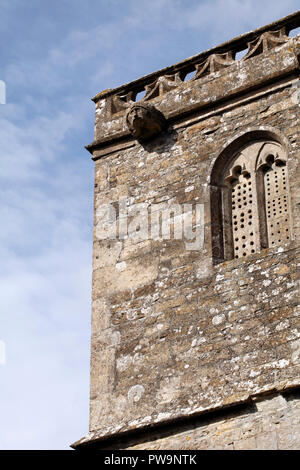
<point>144,121</point>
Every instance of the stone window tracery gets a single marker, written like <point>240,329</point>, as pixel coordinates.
<point>252,190</point>
<point>272,163</point>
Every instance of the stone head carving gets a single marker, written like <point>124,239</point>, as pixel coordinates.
<point>144,121</point>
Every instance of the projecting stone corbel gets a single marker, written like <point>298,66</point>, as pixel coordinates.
<point>144,121</point>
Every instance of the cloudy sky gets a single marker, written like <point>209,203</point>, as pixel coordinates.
<point>55,55</point>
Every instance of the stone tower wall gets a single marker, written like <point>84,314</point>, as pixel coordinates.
<point>196,348</point>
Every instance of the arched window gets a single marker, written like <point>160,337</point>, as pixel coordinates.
<point>273,178</point>
<point>250,205</point>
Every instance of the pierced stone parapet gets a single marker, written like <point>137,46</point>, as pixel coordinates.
<point>212,63</point>
<point>216,74</point>
<point>255,211</point>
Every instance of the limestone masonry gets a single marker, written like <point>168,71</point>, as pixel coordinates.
<point>198,346</point>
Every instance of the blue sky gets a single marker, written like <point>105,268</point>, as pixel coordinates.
<point>54,57</point>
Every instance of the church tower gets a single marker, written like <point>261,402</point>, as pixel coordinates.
<point>195,299</point>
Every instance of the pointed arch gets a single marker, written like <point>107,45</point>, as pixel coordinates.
<point>250,207</point>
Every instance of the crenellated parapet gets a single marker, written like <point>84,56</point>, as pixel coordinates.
<point>213,76</point>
